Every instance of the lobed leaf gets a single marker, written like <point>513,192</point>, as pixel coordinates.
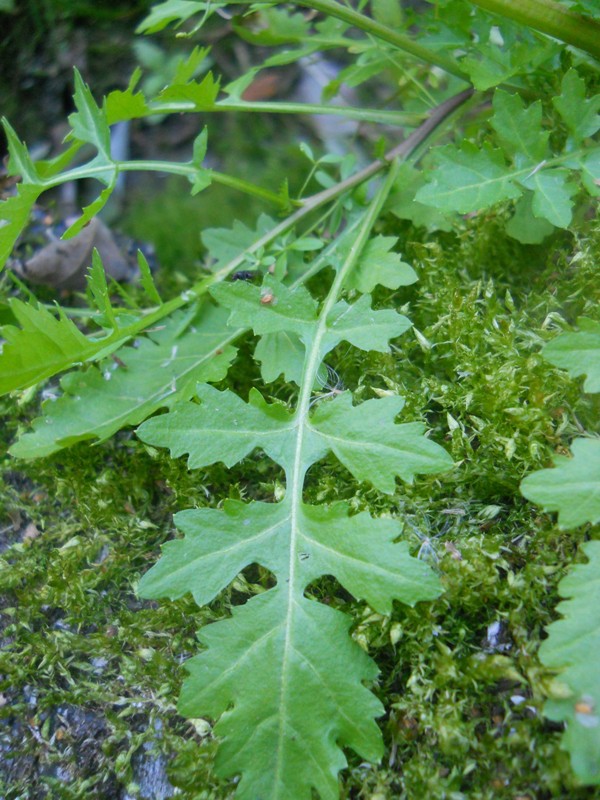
<point>578,353</point>
<point>218,544</point>
<point>580,114</point>
<point>222,428</point>
<point>14,216</point>
<point>378,266</point>
<point>122,105</point>
<point>280,353</point>
<point>288,682</point>
<point>572,488</point>
<point>283,667</point>
<point>366,440</point>
<point>197,96</point>
<point>573,647</point>
<point>282,673</point>
<point>162,369</point>
<point>162,14</point>
<point>524,225</point>
<point>271,308</point>
<point>224,244</point>
<point>41,347</point>
<point>552,193</point>
<point>468,179</point>
<point>519,129</point>
<point>363,327</point>
<point>89,123</point>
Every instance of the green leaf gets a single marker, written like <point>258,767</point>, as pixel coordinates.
<point>366,440</point>
<point>363,327</point>
<point>90,211</point>
<point>283,741</point>
<point>468,179</point>
<point>147,280</point>
<point>579,114</point>
<point>272,27</point>
<point>191,428</point>
<point>402,202</point>
<point>218,545</point>
<point>524,226</point>
<point>196,96</point>
<point>282,661</point>
<point>42,346</point>
<point>98,290</point>
<point>224,244</point>
<point>578,353</point>
<point>552,194</point>
<point>282,673</point>
<point>162,14</point>
<point>520,129</point>
<point>20,162</point>
<point>590,172</point>
<point>187,68</point>
<point>202,179</point>
<point>268,309</point>
<point>161,370</point>
<point>14,216</point>
<point>128,104</point>
<point>388,12</point>
<point>573,646</point>
<point>89,122</point>
<point>380,267</point>
<point>280,353</point>
<point>572,488</point>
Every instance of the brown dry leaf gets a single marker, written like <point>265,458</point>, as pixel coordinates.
<point>64,264</point>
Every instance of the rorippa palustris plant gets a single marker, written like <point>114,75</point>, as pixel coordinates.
<point>283,677</point>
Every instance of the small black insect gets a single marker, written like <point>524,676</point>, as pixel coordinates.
<point>245,275</point>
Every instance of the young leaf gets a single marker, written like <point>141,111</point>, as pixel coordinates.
<point>163,369</point>
<point>573,647</point>
<point>89,122</point>
<point>20,162</point>
<point>579,114</point>
<point>224,244</point>
<point>552,193</point>
<point>520,129</point>
<point>98,289</point>
<point>128,104</point>
<point>578,353</point>
<point>196,96</point>
<point>42,346</point>
<point>147,280</point>
<point>572,488</point>
<point>162,14</point>
<point>379,266</point>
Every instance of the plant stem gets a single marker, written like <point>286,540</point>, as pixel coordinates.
<point>550,18</point>
<point>359,114</point>
<point>173,168</point>
<point>386,34</point>
<point>152,316</point>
